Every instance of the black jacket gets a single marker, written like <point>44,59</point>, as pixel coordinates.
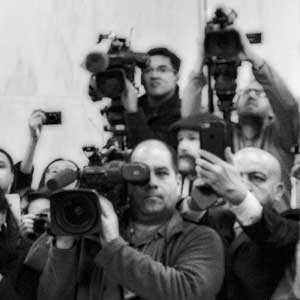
<point>153,123</point>
<point>257,257</point>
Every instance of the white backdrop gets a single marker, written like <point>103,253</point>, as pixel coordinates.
<point>44,42</point>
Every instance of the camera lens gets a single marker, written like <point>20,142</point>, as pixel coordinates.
<point>77,214</point>
<point>40,226</point>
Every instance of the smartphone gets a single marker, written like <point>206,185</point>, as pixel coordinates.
<point>213,137</point>
<point>52,117</point>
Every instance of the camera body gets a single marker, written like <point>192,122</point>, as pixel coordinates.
<point>122,62</point>
<point>109,72</point>
<point>52,117</point>
<point>222,45</point>
<point>77,212</point>
<point>41,224</point>
<point>221,42</point>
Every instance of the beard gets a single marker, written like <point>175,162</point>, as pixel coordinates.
<point>186,165</point>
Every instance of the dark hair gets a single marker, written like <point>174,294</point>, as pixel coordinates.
<point>175,60</point>
<point>10,160</point>
<point>10,235</point>
<point>42,181</point>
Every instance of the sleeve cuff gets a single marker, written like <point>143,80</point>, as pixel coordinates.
<point>249,211</point>
<point>105,255</point>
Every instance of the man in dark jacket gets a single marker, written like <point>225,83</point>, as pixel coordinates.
<point>151,115</point>
<point>158,256</point>
<point>262,242</point>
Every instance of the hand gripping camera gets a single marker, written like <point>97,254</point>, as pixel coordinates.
<point>109,71</point>
<point>78,212</point>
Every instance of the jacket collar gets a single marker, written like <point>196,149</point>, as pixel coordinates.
<point>172,104</point>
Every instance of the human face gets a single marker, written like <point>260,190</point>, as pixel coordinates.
<point>160,78</point>
<point>260,174</point>
<point>39,205</point>
<point>155,201</point>
<point>57,167</point>
<point>6,173</point>
<point>188,150</point>
<point>253,101</point>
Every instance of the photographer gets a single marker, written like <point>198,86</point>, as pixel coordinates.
<point>263,242</point>
<point>267,111</point>
<point>150,115</point>
<point>154,254</point>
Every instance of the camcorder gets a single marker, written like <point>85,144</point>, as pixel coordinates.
<point>222,45</point>
<point>109,71</point>
<point>78,211</point>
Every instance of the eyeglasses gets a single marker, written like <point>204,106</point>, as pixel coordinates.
<point>159,69</point>
<point>257,93</point>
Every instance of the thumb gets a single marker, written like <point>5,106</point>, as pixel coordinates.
<point>106,206</point>
<point>229,155</point>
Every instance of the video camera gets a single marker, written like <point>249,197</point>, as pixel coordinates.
<point>77,212</point>
<point>222,45</point>
<point>109,71</point>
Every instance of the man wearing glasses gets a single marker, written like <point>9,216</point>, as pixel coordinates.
<point>151,115</point>
<point>267,112</point>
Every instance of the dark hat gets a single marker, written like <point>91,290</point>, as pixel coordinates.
<point>195,122</point>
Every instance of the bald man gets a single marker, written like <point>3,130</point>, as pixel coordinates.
<point>262,241</point>
<point>261,173</point>
<point>158,256</point>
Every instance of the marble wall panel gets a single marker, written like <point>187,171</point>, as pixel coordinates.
<point>43,44</point>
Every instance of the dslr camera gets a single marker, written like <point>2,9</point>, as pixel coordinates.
<point>41,224</point>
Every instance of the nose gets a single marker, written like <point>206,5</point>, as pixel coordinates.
<point>182,145</point>
<point>152,180</point>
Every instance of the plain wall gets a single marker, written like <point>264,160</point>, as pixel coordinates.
<point>43,44</point>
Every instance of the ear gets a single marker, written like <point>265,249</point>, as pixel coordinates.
<point>177,76</point>
<point>278,202</point>
<point>279,191</point>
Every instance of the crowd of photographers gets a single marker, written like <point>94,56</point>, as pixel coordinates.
<point>182,213</point>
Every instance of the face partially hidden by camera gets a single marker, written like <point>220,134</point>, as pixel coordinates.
<point>39,206</point>
<point>58,166</point>
<point>155,201</point>
<point>160,79</point>
<point>6,173</point>
<point>188,150</point>
<point>253,102</point>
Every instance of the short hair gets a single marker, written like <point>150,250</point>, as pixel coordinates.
<point>175,60</point>
<point>42,181</point>
<point>169,148</point>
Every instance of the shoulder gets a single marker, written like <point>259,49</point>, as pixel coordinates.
<point>201,234</point>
